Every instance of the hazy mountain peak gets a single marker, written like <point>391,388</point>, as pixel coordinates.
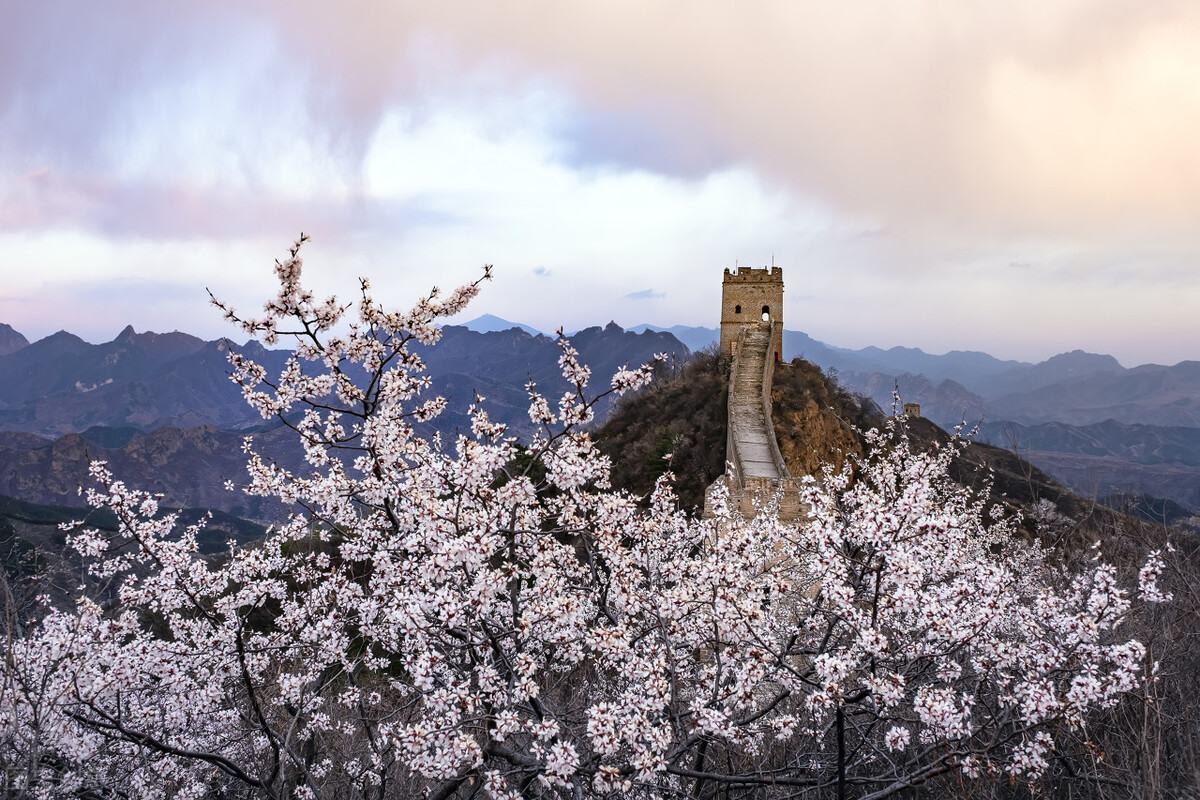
<point>489,323</point>
<point>1080,361</point>
<point>10,340</point>
<point>695,337</point>
<point>60,338</point>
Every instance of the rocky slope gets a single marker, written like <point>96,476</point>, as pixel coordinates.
<point>10,340</point>
<point>189,466</point>
<point>816,421</point>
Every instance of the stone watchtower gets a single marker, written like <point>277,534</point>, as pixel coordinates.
<point>751,295</point>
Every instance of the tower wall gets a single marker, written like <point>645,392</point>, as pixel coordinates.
<point>744,293</point>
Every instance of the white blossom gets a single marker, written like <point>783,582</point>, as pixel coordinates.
<point>431,613</point>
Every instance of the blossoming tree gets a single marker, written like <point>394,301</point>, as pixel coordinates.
<point>471,617</point>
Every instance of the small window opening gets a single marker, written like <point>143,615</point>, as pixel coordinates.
<point>766,313</point>
<point>737,309</point>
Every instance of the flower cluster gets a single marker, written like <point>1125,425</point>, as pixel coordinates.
<point>436,617</point>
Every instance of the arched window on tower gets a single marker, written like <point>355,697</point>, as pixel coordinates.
<point>737,309</point>
<point>766,313</point>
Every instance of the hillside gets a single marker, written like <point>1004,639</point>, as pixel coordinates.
<point>189,466</point>
<point>816,421</point>
<point>683,417</point>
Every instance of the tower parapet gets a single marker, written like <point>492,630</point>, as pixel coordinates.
<point>751,295</point>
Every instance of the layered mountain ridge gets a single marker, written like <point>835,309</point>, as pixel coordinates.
<point>1081,416</point>
<point>162,411</point>
<point>61,384</point>
<point>1115,430</point>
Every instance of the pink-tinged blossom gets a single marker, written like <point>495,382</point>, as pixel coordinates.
<point>897,738</point>
<point>432,616</point>
<point>1148,580</point>
<point>1029,759</point>
<point>945,713</point>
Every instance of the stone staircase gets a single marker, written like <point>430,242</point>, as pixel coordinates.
<point>755,471</point>
<point>752,435</point>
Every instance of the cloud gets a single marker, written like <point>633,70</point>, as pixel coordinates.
<point>645,294</point>
<point>877,152</point>
<point>1071,118</point>
<point>964,117</point>
<point>541,271</point>
<point>94,287</point>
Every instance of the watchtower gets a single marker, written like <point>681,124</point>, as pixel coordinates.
<point>751,295</point>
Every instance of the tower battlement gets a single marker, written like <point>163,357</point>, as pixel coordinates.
<point>753,275</point>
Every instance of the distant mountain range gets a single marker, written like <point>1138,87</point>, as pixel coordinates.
<point>1076,388</point>
<point>62,384</point>
<point>1081,416</point>
<point>1097,426</point>
<point>956,365</point>
<point>160,408</point>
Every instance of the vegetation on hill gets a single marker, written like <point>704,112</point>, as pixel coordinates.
<point>816,420</point>
<point>685,416</point>
<point>682,416</point>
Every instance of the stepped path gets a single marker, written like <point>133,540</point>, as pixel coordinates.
<point>751,431</point>
<point>756,474</point>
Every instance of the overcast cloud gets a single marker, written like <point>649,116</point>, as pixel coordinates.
<point>1020,178</point>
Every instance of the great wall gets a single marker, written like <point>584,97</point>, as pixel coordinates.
<point>752,343</point>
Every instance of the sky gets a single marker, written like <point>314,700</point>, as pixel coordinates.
<point>1021,178</point>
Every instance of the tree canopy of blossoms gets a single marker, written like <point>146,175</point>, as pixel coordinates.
<point>473,616</point>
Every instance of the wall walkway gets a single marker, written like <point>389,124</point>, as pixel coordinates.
<point>755,471</point>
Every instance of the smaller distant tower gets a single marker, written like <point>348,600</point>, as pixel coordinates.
<point>751,295</point>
